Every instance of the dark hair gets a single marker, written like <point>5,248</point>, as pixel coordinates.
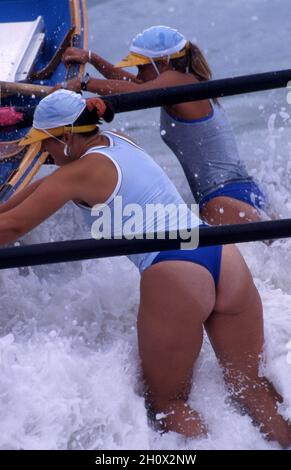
<point>92,117</point>
<point>195,62</point>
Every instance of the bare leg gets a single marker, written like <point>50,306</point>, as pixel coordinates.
<point>226,210</point>
<point>176,298</point>
<point>236,333</point>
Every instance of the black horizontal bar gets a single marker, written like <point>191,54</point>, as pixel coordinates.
<point>76,250</point>
<point>204,90</point>
<point>124,102</point>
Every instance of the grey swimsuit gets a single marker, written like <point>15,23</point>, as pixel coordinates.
<point>206,149</point>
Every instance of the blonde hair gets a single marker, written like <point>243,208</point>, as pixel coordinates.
<point>194,62</point>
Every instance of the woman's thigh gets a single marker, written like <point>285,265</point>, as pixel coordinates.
<point>176,299</point>
<point>235,327</point>
<point>227,210</point>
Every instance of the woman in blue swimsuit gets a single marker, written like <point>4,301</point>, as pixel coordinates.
<point>198,132</point>
<point>182,291</point>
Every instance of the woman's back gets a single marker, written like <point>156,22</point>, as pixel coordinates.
<point>144,199</point>
<point>206,149</point>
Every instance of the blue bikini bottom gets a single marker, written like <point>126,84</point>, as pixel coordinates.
<point>209,257</point>
<point>247,191</point>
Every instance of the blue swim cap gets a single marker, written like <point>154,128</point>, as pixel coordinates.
<point>61,108</point>
<point>153,43</point>
<point>158,41</point>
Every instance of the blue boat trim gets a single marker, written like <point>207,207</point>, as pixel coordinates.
<point>20,181</point>
<point>58,20</point>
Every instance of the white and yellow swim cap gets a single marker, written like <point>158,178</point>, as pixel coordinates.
<point>54,114</point>
<point>155,43</point>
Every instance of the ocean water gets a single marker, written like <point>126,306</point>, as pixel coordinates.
<point>69,365</point>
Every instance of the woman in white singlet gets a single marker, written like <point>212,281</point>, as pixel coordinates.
<point>182,291</point>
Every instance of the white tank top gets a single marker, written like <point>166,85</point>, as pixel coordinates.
<point>140,182</point>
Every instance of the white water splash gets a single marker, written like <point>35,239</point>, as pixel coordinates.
<point>69,365</point>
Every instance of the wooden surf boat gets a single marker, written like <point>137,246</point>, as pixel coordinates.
<point>33,36</point>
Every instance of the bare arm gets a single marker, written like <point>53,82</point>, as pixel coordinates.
<point>107,87</point>
<point>47,198</point>
<point>70,182</point>
<point>19,197</point>
<point>81,56</point>
<point>109,71</point>
<point>101,86</point>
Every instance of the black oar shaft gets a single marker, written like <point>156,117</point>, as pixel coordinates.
<point>76,250</point>
<point>125,102</point>
<point>203,90</point>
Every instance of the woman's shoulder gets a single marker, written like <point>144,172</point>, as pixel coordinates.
<point>120,134</point>
<point>124,137</point>
<point>187,78</point>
